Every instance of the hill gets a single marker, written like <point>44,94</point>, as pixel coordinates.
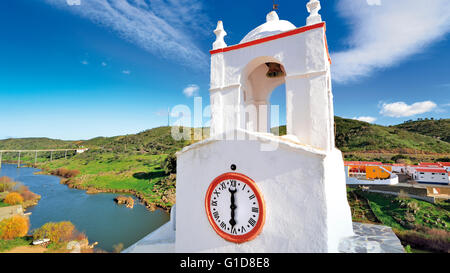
<point>35,144</point>
<point>353,135</point>
<point>439,129</point>
<point>154,141</point>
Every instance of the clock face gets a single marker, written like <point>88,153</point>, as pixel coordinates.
<point>235,207</point>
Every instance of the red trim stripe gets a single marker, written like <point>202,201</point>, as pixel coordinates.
<point>271,38</point>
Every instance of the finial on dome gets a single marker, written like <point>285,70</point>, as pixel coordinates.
<point>220,34</point>
<point>272,16</point>
<point>313,7</point>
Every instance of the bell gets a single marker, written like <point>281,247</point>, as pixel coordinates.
<point>274,70</point>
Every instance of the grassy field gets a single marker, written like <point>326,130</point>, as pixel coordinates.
<point>140,174</point>
<point>422,225</point>
<point>403,213</point>
<point>6,245</point>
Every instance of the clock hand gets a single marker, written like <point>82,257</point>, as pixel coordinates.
<point>232,207</point>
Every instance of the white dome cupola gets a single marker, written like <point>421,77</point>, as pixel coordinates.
<point>272,26</point>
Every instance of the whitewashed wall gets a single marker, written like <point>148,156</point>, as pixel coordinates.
<point>304,191</point>
<point>309,99</point>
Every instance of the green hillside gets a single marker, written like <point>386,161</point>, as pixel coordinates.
<point>439,129</point>
<point>154,141</point>
<point>35,144</point>
<point>353,135</point>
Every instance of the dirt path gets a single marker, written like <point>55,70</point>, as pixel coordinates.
<point>27,249</point>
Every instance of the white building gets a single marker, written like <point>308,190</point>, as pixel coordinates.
<point>398,168</point>
<point>82,150</point>
<point>431,175</point>
<point>298,179</point>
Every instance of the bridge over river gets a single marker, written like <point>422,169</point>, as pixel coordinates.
<point>19,152</point>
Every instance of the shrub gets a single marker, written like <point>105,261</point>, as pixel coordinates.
<point>437,240</point>
<point>13,198</point>
<point>398,158</point>
<point>56,232</point>
<point>6,184</point>
<point>14,227</point>
<point>27,194</point>
<point>63,172</point>
<point>408,249</point>
<point>170,164</point>
<point>118,248</point>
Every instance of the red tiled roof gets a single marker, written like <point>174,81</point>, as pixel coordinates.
<point>362,163</point>
<point>447,164</point>
<point>428,164</point>
<point>431,170</point>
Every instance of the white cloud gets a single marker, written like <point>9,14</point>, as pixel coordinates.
<point>166,28</point>
<point>366,119</point>
<point>401,109</point>
<point>386,34</point>
<point>73,2</point>
<point>126,72</point>
<point>191,90</point>
<point>374,2</point>
<point>104,64</point>
<point>84,62</point>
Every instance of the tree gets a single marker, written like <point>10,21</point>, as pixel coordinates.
<point>56,232</point>
<point>6,184</point>
<point>13,198</point>
<point>13,227</point>
<point>170,164</point>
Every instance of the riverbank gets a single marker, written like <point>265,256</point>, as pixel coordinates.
<point>138,175</point>
<point>96,215</point>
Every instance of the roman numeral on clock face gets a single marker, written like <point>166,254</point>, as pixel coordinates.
<point>233,231</point>
<point>223,225</point>
<point>251,197</point>
<point>255,210</point>
<point>233,183</point>
<point>252,222</point>
<point>216,215</point>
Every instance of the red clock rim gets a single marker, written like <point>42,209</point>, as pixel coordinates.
<point>262,208</point>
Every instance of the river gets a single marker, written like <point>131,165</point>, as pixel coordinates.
<point>97,215</point>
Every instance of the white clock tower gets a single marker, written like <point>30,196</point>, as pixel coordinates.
<point>298,178</point>
<point>245,189</point>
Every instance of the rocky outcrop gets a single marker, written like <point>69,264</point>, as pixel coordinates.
<point>126,200</point>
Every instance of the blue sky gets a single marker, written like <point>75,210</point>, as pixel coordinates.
<point>105,68</point>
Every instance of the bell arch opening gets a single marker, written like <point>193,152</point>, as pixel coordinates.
<point>278,110</point>
<point>260,78</point>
